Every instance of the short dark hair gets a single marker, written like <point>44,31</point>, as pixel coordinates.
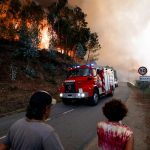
<point>115,110</point>
<point>37,104</point>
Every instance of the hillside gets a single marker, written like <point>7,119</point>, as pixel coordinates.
<point>19,78</point>
<point>25,68</point>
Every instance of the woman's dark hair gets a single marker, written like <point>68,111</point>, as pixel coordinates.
<point>115,110</point>
<point>37,104</point>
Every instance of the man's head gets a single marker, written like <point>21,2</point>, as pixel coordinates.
<point>115,110</point>
<point>39,106</point>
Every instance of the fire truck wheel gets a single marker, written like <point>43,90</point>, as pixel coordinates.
<point>95,98</point>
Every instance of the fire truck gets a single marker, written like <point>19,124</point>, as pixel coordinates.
<point>87,82</point>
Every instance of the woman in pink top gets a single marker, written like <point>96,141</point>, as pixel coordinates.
<point>112,134</point>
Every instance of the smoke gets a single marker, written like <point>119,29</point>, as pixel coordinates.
<point>121,26</point>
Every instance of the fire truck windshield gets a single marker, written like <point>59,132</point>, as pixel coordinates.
<point>79,72</point>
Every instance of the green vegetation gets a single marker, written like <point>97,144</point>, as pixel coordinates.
<point>143,87</point>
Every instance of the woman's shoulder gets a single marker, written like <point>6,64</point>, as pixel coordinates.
<point>101,124</point>
<point>119,125</point>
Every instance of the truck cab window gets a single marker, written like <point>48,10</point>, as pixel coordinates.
<point>85,72</point>
<point>79,72</point>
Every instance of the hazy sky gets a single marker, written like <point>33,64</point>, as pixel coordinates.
<point>123,27</point>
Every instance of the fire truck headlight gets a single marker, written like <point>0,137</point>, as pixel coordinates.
<point>61,94</point>
<point>79,94</point>
<point>82,95</point>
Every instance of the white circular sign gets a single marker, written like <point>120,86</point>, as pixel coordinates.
<point>142,70</point>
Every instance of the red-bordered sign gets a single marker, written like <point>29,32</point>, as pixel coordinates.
<point>142,70</point>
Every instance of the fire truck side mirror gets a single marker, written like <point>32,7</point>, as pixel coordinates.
<point>98,71</point>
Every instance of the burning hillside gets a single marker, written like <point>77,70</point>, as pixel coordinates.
<point>48,28</point>
<point>13,16</point>
<point>37,45</point>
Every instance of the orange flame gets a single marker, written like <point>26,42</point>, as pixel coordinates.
<point>3,9</point>
<point>69,53</point>
<point>44,38</point>
<point>46,35</point>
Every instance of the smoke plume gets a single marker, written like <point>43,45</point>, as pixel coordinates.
<point>124,29</point>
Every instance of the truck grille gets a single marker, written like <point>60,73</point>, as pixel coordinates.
<point>70,87</point>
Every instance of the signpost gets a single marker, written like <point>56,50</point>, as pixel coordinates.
<point>142,71</point>
<point>145,78</point>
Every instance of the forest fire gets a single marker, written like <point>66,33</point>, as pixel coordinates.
<point>37,27</point>
<point>44,37</point>
<point>10,21</point>
<point>61,50</point>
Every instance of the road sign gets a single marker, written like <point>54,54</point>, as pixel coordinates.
<point>142,70</point>
<point>144,78</point>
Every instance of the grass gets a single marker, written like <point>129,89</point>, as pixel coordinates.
<point>145,92</point>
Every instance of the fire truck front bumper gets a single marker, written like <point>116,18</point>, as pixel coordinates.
<point>74,95</point>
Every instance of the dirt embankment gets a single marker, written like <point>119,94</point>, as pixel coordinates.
<point>14,95</point>
<point>21,76</point>
<point>139,118</point>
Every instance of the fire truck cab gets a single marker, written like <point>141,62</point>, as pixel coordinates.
<point>87,82</point>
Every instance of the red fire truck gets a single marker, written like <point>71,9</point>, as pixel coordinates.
<point>87,82</point>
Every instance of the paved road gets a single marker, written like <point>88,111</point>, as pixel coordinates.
<point>75,124</point>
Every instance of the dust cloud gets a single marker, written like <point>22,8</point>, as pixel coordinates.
<point>124,29</point>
